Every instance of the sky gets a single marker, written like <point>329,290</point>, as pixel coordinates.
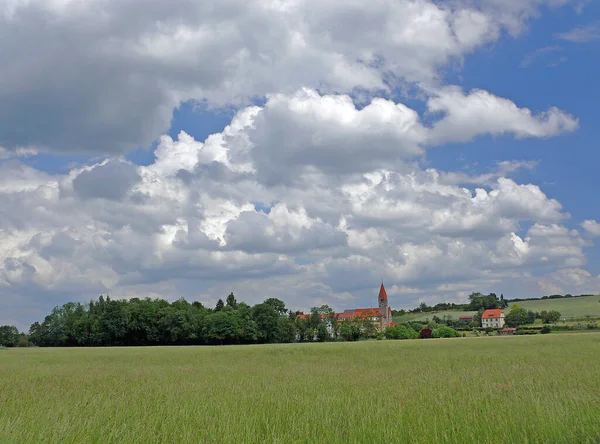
<point>298,149</point>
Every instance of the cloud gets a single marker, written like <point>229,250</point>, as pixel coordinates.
<point>591,227</point>
<point>546,55</point>
<point>88,79</point>
<point>466,116</point>
<point>582,33</point>
<point>109,180</point>
<point>348,206</point>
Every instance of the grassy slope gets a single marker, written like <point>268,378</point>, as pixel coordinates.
<point>570,308</point>
<point>498,389</point>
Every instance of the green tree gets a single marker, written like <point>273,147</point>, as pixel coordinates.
<point>267,322</point>
<point>550,317</point>
<point>517,316</point>
<point>223,327</point>
<point>231,302</point>
<point>277,304</point>
<point>400,332</point>
<point>445,332</point>
<point>351,330</point>
<point>9,336</point>
<point>219,306</point>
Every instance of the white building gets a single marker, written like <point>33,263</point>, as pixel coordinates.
<point>492,318</point>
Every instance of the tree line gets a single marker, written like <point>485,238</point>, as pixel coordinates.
<point>138,322</point>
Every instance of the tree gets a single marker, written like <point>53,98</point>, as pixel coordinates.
<point>278,305</point>
<point>231,302</point>
<point>267,322</point>
<point>476,321</point>
<point>322,333</point>
<point>517,316</point>
<point>286,330</point>
<point>223,326</point>
<point>400,332</point>
<point>9,336</point>
<point>550,317</point>
<point>219,305</point>
<point>350,330</point>
<point>445,332</point>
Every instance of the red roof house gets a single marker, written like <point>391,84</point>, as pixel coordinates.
<point>492,318</point>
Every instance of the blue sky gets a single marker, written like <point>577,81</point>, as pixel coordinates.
<point>348,191</point>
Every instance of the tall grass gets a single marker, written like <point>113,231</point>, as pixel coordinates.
<point>497,390</point>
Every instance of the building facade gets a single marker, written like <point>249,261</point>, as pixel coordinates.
<point>380,316</point>
<point>492,319</point>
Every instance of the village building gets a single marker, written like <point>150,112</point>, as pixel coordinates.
<point>465,319</point>
<point>492,318</point>
<point>381,317</point>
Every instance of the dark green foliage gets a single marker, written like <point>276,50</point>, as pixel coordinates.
<point>351,331</point>
<point>107,322</point>
<point>478,301</point>
<point>231,302</point>
<point>400,332</point>
<point>445,332</point>
<point>9,336</point>
<point>546,329</point>
<point>550,317</point>
<point>517,316</point>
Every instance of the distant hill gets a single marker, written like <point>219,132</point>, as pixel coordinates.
<point>577,307</point>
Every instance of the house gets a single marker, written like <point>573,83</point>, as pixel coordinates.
<point>492,318</point>
<point>465,319</point>
<point>507,331</point>
<point>381,317</point>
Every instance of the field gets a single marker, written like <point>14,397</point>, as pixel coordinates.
<point>568,308</point>
<point>492,389</point>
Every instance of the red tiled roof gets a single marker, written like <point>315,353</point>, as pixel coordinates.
<point>382,293</point>
<point>350,314</point>
<point>465,317</point>
<point>492,314</point>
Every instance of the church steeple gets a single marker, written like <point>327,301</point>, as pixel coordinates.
<point>384,308</point>
<point>382,295</point>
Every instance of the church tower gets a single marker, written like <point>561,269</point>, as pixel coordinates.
<point>384,307</point>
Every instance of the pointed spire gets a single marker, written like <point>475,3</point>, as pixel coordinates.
<point>382,293</point>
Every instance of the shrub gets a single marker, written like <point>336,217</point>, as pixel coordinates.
<point>526,332</point>
<point>400,332</point>
<point>545,329</point>
<point>425,333</point>
<point>445,332</point>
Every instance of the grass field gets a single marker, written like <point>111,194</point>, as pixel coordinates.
<point>497,390</point>
<point>569,308</point>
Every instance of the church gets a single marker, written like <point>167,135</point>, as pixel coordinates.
<point>381,317</point>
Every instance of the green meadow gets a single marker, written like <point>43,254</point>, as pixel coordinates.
<point>568,307</point>
<point>534,389</point>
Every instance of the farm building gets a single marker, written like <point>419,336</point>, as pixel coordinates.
<point>465,319</point>
<point>507,331</point>
<point>492,318</point>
